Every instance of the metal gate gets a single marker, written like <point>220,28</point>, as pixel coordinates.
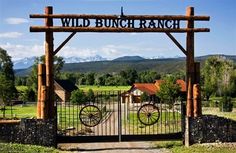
<point>116,116</point>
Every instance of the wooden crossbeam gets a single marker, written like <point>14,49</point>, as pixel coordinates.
<point>63,43</point>
<point>110,29</point>
<point>176,43</point>
<point>135,17</point>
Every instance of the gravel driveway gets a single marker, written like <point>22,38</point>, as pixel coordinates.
<point>116,147</point>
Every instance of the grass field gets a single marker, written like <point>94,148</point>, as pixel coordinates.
<point>216,111</point>
<point>104,88</point>
<point>20,148</point>
<point>177,147</point>
<point>20,111</point>
<point>87,87</point>
<point>21,88</point>
<point>167,123</point>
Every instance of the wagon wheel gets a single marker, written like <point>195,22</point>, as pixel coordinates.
<point>148,114</point>
<point>90,115</point>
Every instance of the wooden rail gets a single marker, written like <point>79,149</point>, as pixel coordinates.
<point>134,17</point>
<point>103,29</point>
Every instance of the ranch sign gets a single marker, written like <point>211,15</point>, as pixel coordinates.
<point>120,23</point>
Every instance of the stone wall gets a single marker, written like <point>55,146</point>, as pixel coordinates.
<point>29,131</point>
<point>211,128</point>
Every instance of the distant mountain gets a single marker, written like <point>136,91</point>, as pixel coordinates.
<point>24,63</point>
<point>129,58</point>
<point>231,57</point>
<point>29,61</point>
<point>164,65</point>
<point>87,59</point>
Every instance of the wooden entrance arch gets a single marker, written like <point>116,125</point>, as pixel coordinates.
<point>117,23</point>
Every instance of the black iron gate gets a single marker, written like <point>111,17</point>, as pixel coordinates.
<point>117,116</point>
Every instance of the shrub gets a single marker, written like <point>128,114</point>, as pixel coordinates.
<point>90,95</point>
<point>27,95</point>
<point>226,104</point>
<point>78,97</point>
<point>144,97</point>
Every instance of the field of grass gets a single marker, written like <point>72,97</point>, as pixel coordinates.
<point>216,111</point>
<point>104,88</point>
<point>20,148</point>
<point>21,88</point>
<point>20,111</point>
<point>87,87</point>
<point>168,122</point>
<point>177,147</point>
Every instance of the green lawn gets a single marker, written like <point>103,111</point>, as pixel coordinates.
<point>168,122</point>
<point>21,88</point>
<point>177,147</point>
<point>20,148</point>
<point>216,111</point>
<point>20,111</point>
<point>104,88</point>
<point>87,87</point>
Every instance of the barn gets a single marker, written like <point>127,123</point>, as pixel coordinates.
<point>63,89</point>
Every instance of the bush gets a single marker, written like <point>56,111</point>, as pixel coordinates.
<point>27,95</point>
<point>90,95</point>
<point>144,97</point>
<point>78,97</point>
<point>226,104</point>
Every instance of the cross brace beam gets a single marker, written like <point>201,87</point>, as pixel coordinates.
<point>63,43</point>
<point>176,43</point>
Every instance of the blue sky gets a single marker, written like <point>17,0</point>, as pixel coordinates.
<point>19,42</point>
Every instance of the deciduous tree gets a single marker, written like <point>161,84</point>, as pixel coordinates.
<point>32,79</point>
<point>218,71</point>
<point>169,90</point>
<point>78,97</point>
<point>7,77</point>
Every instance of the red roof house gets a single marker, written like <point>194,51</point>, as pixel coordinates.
<point>151,89</point>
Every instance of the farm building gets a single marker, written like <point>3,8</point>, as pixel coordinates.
<point>63,89</point>
<point>137,89</point>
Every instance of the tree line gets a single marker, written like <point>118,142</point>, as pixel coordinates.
<point>218,77</point>
<point>122,78</point>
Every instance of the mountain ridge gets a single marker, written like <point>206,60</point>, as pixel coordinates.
<point>164,65</point>
<point>29,61</point>
<point>129,58</point>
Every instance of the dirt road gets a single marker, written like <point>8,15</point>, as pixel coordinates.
<point>117,147</point>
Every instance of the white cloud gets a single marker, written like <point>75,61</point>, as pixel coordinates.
<point>10,34</point>
<point>114,51</point>
<point>17,51</point>
<point>110,51</point>
<point>21,51</point>
<point>69,51</point>
<point>16,20</point>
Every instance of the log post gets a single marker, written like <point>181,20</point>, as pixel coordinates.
<point>197,90</point>
<point>44,105</point>
<point>49,65</point>
<point>39,91</point>
<point>189,74</point>
<point>197,72</point>
<point>190,63</point>
<point>41,82</point>
<point>196,100</point>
